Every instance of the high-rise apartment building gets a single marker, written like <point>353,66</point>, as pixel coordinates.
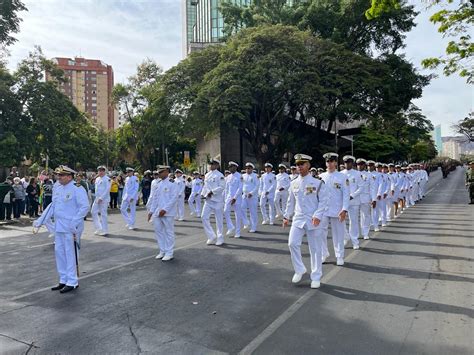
<point>89,86</point>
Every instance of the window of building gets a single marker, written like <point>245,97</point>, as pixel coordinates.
<point>94,104</point>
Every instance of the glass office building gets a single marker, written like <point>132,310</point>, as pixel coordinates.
<point>203,24</point>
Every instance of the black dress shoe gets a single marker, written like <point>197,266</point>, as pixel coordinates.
<point>58,287</point>
<point>68,288</point>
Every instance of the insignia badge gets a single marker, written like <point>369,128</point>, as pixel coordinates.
<point>347,182</point>
<point>337,185</point>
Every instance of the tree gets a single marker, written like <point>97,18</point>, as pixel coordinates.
<point>9,24</point>
<point>378,146</point>
<point>423,151</point>
<point>9,21</point>
<point>266,78</point>
<point>14,131</point>
<point>453,22</point>
<point>134,96</point>
<point>466,127</point>
<point>342,22</point>
<point>150,127</point>
<point>37,120</point>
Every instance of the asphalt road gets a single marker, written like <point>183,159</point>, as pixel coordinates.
<point>408,290</point>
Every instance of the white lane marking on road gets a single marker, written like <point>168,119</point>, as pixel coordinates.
<point>26,248</point>
<point>290,311</point>
<point>103,271</point>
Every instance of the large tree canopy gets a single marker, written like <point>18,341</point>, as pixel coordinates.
<point>342,22</point>
<point>267,78</point>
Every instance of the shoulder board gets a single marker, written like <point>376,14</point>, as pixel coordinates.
<point>222,178</point>
<point>171,180</point>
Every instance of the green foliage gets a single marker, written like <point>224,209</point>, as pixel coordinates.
<point>381,7</point>
<point>409,129</point>
<point>423,151</point>
<point>453,22</point>
<point>376,145</point>
<point>9,20</point>
<point>342,22</point>
<point>153,121</point>
<point>466,127</point>
<point>36,120</point>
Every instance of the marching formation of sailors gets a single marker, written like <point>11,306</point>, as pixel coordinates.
<point>365,193</point>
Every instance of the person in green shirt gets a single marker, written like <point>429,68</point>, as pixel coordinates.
<point>470,181</point>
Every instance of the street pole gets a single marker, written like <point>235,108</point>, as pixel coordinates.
<point>352,145</point>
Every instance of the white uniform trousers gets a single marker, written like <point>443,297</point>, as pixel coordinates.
<point>211,207</point>
<point>164,233</point>
<point>129,217</point>
<point>100,223</point>
<point>411,200</point>
<point>237,208</point>
<point>194,202</point>
<point>315,242</point>
<point>353,233</point>
<point>264,201</point>
<point>250,204</point>
<point>66,258</point>
<point>422,188</point>
<point>281,198</point>
<point>180,209</point>
<point>390,208</point>
<point>365,218</point>
<point>337,232</point>
<point>375,215</point>
<point>416,189</point>
<point>382,210</point>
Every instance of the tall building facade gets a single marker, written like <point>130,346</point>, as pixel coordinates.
<point>203,24</point>
<point>89,86</point>
<point>451,149</point>
<point>436,136</point>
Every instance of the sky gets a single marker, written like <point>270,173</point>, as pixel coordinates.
<point>123,33</point>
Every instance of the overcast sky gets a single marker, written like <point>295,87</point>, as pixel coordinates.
<point>122,33</point>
